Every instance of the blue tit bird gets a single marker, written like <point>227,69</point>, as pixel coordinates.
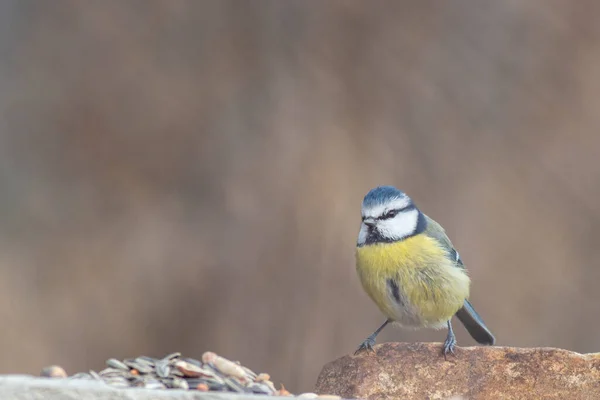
<point>410,269</point>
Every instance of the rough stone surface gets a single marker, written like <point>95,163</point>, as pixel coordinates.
<point>20,387</point>
<point>418,371</point>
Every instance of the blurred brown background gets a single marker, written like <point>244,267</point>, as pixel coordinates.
<point>187,175</point>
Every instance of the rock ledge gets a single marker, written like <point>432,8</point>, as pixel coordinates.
<point>418,371</point>
<point>23,387</point>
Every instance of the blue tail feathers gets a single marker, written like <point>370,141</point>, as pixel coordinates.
<point>475,325</point>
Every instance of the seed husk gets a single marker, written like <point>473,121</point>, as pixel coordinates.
<point>95,375</point>
<point>283,391</point>
<point>114,363</point>
<point>217,386</point>
<point>225,366</point>
<point>172,356</point>
<point>81,375</point>
<point>178,383</point>
<point>262,377</point>
<point>192,361</point>
<point>110,372</point>
<point>117,381</point>
<point>235,385</point>
<point>271,385</point>
<point>189,369</point>
<point>141,366</point>
<point>213,373</point>
<point>163,368</point>
<point>154,384</point>
<point>259,388</point>
<point>251,375</point>
<point>149,360</point>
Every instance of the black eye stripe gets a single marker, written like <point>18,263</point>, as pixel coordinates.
<point>394,212</point>
<point>389,214</point>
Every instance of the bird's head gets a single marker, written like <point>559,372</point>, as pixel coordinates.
<point>388,215</point>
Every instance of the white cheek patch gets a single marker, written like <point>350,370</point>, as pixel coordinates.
<point>402,225</point>
<point>379,210</point>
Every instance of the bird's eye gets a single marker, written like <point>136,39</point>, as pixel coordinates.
<point>363,218</point>
<point>390,214</point>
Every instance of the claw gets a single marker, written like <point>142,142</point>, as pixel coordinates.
<point>449,346</point>
<point>367,345</point>
<point>370,341</point>
<point>450,342</point>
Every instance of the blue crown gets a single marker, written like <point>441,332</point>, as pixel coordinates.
<point>381,195</point>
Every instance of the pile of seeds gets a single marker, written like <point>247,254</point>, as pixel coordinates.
<point>213,373</point>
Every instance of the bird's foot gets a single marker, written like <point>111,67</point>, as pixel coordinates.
<point>449,346</point>
<point>367,345</point>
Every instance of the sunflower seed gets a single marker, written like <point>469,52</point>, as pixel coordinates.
<point>190,370</point>
<point>149,360</point>
<point>192,361</point>
<point>110,372</point>
<point>210,370</point>
<point>146,361</point>
<point>259,388</point>
<point>154,384</point>
<point>235,385</point>
<point>141,366</point>
<point>162,368</point>
<point>114,363</point>
<point>95,375</point>
<point>216,386</point>
<point>249,373</point>
<point>270,385</point>
<point>213,373</point>
<point>117,381</point>
<point>208,357</point>
<point>225,366</point>
<point>177,383</point>
<point>193,382</point>
<point>81,375</point>
<point>172,356</point>
<point>262,377</point>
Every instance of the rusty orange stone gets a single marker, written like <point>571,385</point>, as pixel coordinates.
<point>202,387</point>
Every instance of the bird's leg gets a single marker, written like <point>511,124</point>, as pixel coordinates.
<point>370,341</point>
<point>450,342</point>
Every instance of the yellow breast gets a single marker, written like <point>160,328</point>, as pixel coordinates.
<point>431,288</point>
